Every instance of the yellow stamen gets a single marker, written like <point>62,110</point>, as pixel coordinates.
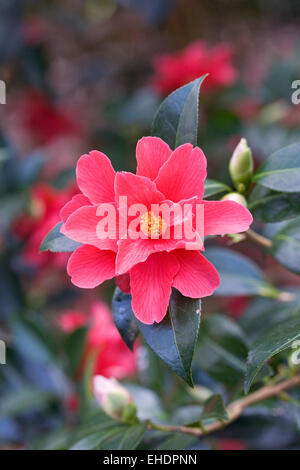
<point>153,226</point>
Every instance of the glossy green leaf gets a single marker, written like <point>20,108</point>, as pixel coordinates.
<point>124,318</point>
<point>174,339</point>
<point>213,187</point>
<point>281,170</point>
<point>133,436</point>
<point>274,341</point>
<point>272,206</point>
<point>222,349</point>
<point>286,246</point>
<point>239,275</point>
<point>176,120</point>
<point>57,242</point>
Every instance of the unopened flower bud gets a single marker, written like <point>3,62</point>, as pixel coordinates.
<point>236,197</point>
<point>114,399</point>
<point>241,166</point>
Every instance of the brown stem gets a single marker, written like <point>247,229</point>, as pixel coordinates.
<point>257,238</point>
<point>234,409</point>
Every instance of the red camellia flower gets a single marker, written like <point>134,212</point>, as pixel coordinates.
<point>32,227</point>
<point>148,266</point>
<point>112,357</point>
<point>175,70</point>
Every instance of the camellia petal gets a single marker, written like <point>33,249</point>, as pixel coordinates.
<point>88,266</point>
<point>132,252</point>
<point>79,200</point>
<point>196,277</point>
<point>183,175</point>
<point>150,284</point>
<point>137,189</point>
<point>81,226</point>
<point>95,177</point>
<point>222,217</point>
<point>151,154</point>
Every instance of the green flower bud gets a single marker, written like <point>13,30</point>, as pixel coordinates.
<point>114,399</point>
<point>236,197</point>
<point>241,166</point>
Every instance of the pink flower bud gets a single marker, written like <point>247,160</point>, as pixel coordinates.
<point>114,399</point>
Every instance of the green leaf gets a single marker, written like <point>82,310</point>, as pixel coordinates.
<point>97,435</point>
<point>133,436</point>
<point>23,400</point>
<point>238,274</point>
<point>272,206</point>
<point>276,340</point>
<point>213,187</point>
<point>178,441</point>
<point>263,314</point>
<point>281,170</point>
<point>176,120</point>
<point>88,443</point>
<point>29,344</point>
<point>222,349</point>
<point>124,318</point>
<point>214,409</point>
<point>57,242</point>
<point>74,347</point>
<point>286,246</point>
<point>174,339</point>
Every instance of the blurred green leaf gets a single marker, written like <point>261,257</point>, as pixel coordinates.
<point>133,436</point>
<point>174,339</point>
<point>214,409</point>
<point>30,344</point>
<point>263,314</point>
<point>286,246</point>
<point>281,170</point>
<point>222,349</point>
<point>74,348</point>
<point>272,206</point>
<point>23,400</point>
<point>239,275</point>
<point>276,340</point>
<point>177,442</point>
<point>124,318</point>
<point>57,242</point>
<point>88,443</point>
<point>213,187</point>
<point>176,121</point>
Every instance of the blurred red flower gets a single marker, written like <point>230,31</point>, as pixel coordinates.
<point>231,444</point>
<point>32,227</point>
<point>172,71</point>
<point>112,358</point>
<point>43,119</point>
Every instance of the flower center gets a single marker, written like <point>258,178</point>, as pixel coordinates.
<point>151,225</point>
